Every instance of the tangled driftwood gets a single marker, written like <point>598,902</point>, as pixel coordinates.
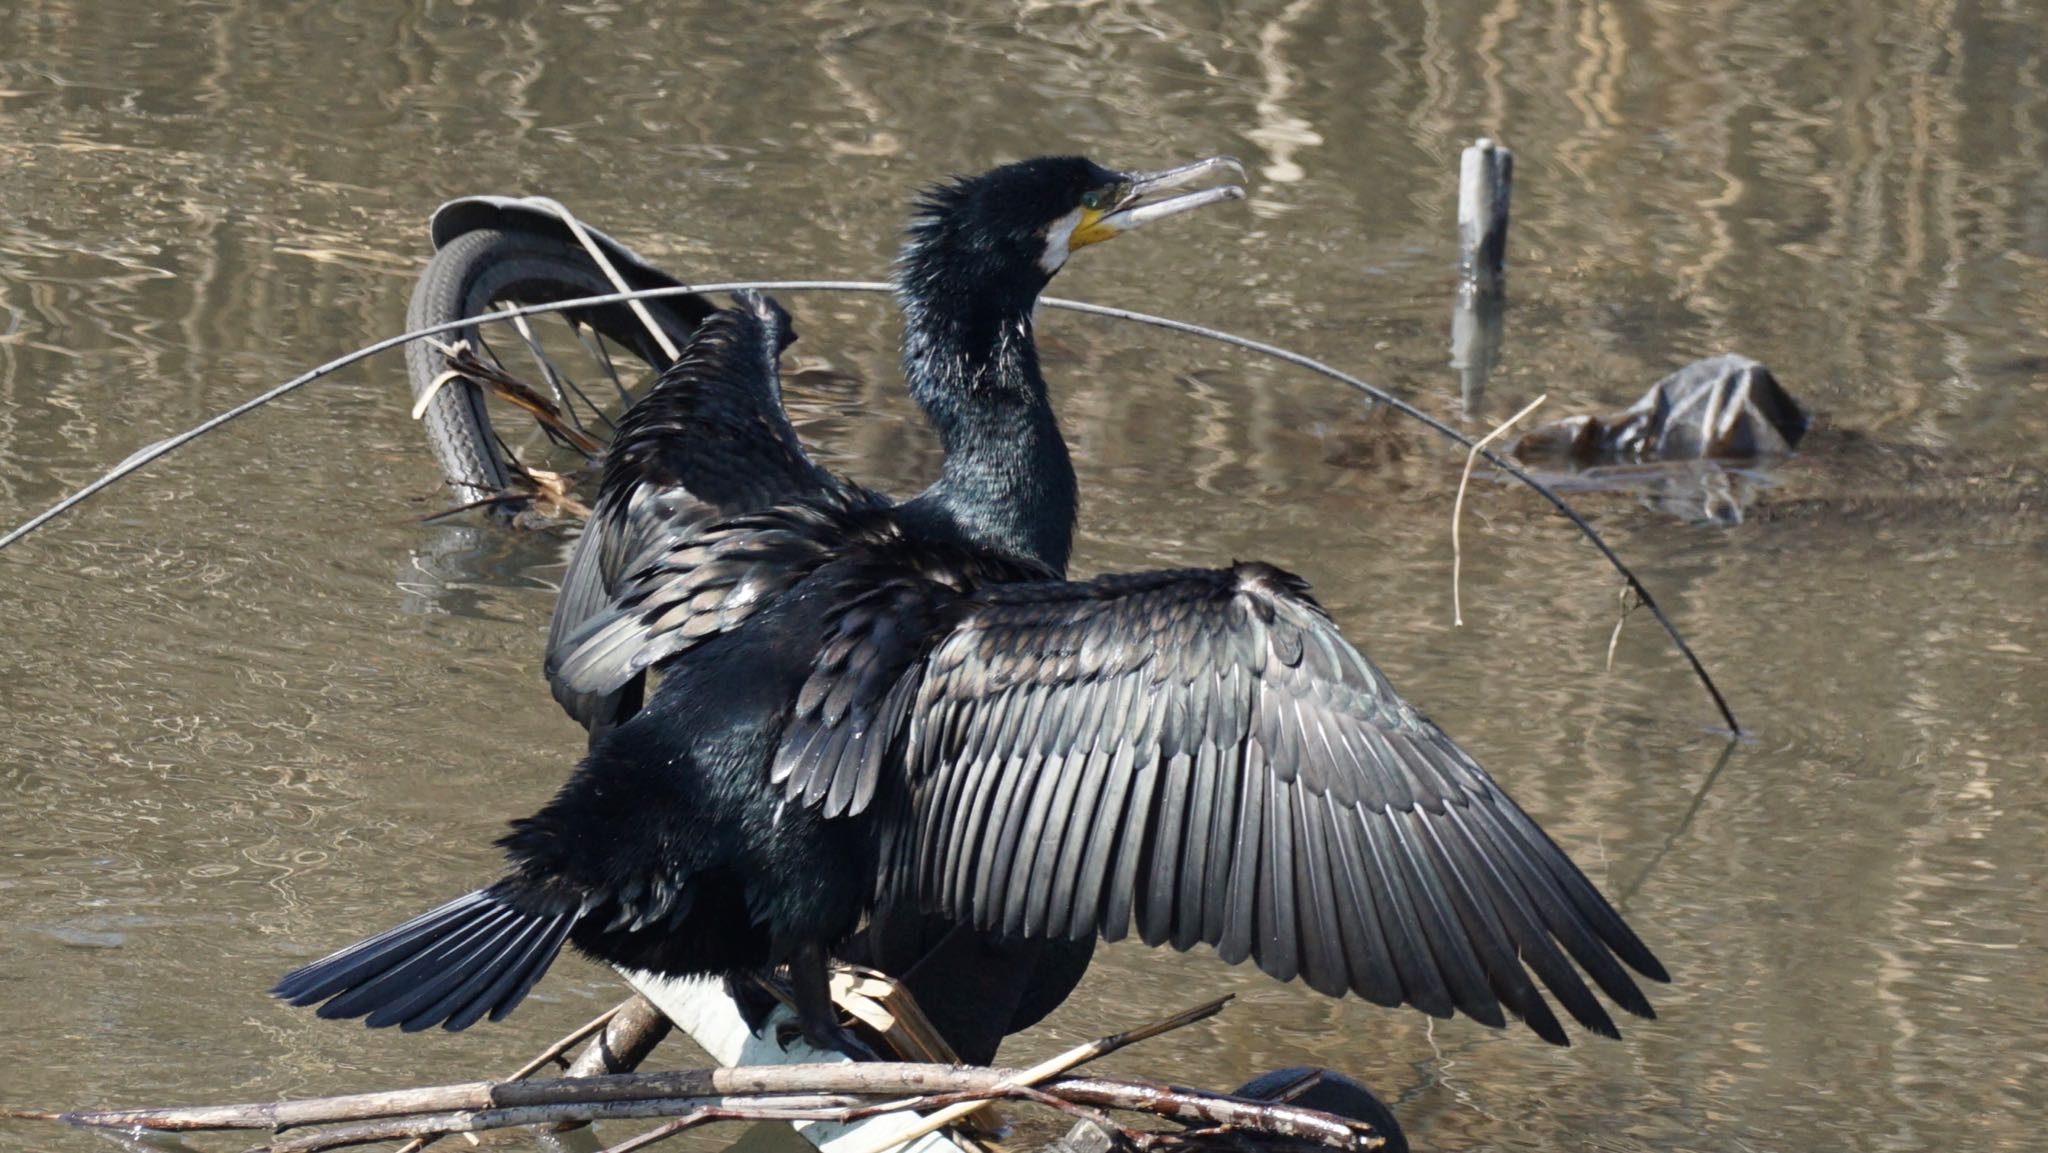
<point>691,1098</point>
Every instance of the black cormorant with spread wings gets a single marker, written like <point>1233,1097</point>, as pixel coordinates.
<point>866,705</point>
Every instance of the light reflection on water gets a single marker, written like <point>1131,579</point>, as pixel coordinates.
<point>256,709</point>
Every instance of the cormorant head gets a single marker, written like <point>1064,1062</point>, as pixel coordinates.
<point>1007,231</point>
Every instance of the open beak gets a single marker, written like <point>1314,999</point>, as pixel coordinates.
<point>1137,206</point>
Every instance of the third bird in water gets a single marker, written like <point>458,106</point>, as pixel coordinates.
<point>866,704</point>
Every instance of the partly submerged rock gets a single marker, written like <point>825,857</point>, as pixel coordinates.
<point>1722,408</point>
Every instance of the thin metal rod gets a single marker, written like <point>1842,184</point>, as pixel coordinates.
<point>600,351</point>
<point>173,443</point>
<point>548,371</point>
<point>559,380</point>
<point>1406,409</point>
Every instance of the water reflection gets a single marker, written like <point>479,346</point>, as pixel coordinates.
<point>254,705</point>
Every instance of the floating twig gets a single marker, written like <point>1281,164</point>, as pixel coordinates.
<point>1458,505</point>
<point>1627,606</point>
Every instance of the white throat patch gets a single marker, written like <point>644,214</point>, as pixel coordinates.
<point>1057,236</point>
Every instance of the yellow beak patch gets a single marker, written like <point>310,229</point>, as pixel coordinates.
<point>1090,230</point>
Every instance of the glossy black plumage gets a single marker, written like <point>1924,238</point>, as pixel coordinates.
<point>473,956</point>
<point>710,439</point>
<point>670,843</point>
<point>868,705</point>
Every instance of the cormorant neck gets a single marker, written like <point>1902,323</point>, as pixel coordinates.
<point>1008,483</point>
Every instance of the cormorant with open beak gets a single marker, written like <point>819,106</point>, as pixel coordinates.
<point>865,705</point>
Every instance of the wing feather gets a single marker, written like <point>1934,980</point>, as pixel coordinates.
<point>1422,981</point>
<point>1024,831</point>
<point>1120,903</point>
<point>1482,926</point>
<point>968,823</point>
<point>1161,859</point>
<point>1551,909</point>
<point>1321,929</point>
<point>1442,932</point>
<point>1278,943</point>
<point>1240,873</point>
<point>1047,887</point>
<point>1368,954</point>
<point>709,441</point>
<point>1091,837</point>
<point>1218,846</point>
<point>1518,919</point>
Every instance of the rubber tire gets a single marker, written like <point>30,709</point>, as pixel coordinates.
<point>464,278</point>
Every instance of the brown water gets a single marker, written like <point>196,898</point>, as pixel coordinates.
<point>253,709</point>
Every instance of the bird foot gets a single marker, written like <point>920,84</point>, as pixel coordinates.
<point>834,1038</point>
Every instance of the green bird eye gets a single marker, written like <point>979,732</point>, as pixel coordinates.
<point>1092,199</point>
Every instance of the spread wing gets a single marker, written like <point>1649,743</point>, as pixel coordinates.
<point>708,442</point>
<point>705,580</point>
<point>1202,753</point>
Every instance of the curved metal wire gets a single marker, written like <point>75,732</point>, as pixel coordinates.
<point>171,444</point>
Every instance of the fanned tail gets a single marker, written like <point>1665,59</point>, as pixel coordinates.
<point>474,955</point>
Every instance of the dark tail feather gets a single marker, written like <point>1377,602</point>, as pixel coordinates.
<point>474,955</point>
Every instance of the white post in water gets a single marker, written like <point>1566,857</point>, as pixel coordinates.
<point>1486,177</point>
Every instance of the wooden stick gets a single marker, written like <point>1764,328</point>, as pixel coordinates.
<point>657,1134</point>
<point>795,1107</point>
<point>635,1029</point>
<point>549,1054</point>
<point>1181,1104</point>
<point>864,1079</point>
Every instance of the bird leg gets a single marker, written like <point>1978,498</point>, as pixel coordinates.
<point>810,982</point>
<point>755,995</point>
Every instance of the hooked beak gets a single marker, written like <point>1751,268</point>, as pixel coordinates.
<point>1135,208</point>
